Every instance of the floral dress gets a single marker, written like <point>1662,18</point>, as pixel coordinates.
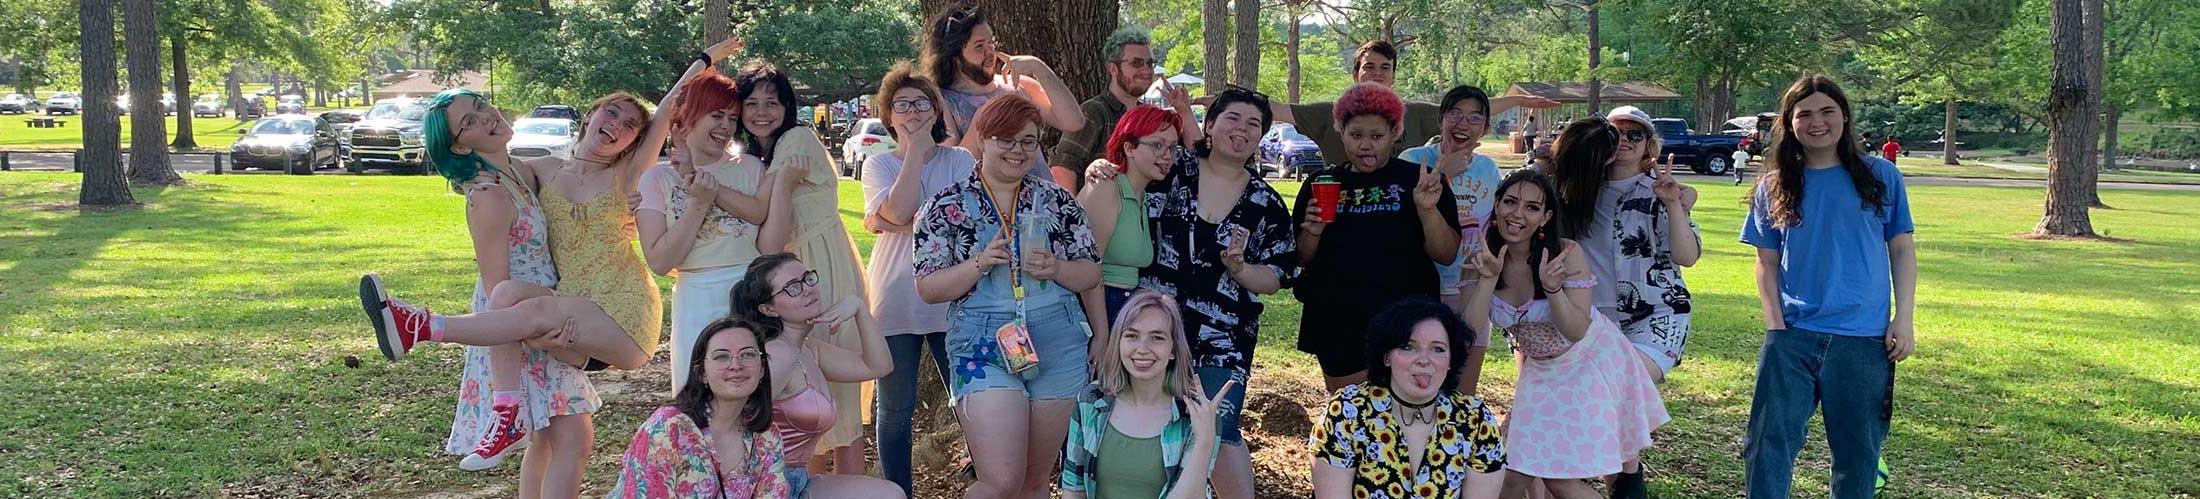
<point>1362,428</point>
<point>552,388</point>
<point>671,457</point>
<point>1221,318</point>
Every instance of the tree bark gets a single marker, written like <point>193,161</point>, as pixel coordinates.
<point>1245,63</point>
<point>234,86</point>
<point>2071,122</point>
<point>1214,31</point>
<point>1596,86</point>
<point>102,153</point>
<point>1704,99</point>
<point>2096,27</point>
<point>1078,52</point>
<point>148,124</point>
<point>1291,54</point>
<point>1948,133</point>
<point>717,20</point>
<point>180,84</point>
<point>2109,119</point>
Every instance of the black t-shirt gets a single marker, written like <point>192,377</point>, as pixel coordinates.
<point>1374,249</point>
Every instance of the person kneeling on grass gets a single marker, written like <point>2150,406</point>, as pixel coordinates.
<point>1407,431</point>
<point>716,439</point>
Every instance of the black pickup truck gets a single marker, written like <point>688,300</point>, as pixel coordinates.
<point>1708,154</point>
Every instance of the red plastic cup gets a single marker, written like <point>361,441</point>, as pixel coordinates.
<point>1326,194</point>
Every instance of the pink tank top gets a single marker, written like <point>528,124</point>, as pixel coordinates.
<point>801,418</point>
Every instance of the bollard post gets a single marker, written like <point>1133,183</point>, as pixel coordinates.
<point>76,161</point>
<point>4,161</point>
<point>218,163</point>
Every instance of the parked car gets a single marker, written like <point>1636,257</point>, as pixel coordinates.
<point>249,105</point>
<point>538,137</point>
<point>295,144</point>
<point>388,136</point>
<point>64,103</point>
<point>1283,150</point>
<point>1706,154</point>
<point>209,105</point>
<point>290,104</point>
<point>1754,131</point>
<point>341,121</point>
<point>18,104</point>
<point>868,138</point>
<point>559,111</point>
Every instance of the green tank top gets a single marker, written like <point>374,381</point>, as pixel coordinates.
<point>1129,468</point>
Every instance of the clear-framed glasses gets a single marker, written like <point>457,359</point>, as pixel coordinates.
<point>749,356</point>
<point>1170,149</point>
<point>795,287</point>
<point>913,105</point>
<point>1028,145</point>
<point>1451,117</point>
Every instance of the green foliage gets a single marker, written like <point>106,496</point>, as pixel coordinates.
<point>834,45</point>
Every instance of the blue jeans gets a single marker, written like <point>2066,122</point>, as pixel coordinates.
<point>896,403</point>
<point>1847,377</point>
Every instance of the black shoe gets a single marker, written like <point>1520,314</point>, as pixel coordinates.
<point>1630,486</point>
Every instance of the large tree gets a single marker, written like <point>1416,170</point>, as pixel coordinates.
<point>102,153</point>
<point>1066,33</point>
<point>2073,123</point>
<point>1245,56</point>
<point>148,123</point>
<point>1214,31</point>
<point>1934,57</point>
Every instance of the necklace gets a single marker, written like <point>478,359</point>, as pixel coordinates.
<point>1418,413</point>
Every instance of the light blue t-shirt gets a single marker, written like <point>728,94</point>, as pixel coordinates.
<point>1834,275</point>
<point>1475,190</point>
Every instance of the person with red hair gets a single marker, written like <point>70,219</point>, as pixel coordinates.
<point>1011,252</point>
<point>700,215</point>
<point>1393,223</point>
<point>1141,150</point>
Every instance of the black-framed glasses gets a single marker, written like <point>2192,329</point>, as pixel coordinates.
<point>1470,118</point>
<point>913,105</point>
<point>1028,144</point>
<point>1170,149</point>
<point>795,287</point>
<point>1140,63</point>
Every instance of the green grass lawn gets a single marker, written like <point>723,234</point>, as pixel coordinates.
<point>196,347</point>
<point>16,134</point>
<point>1931,167</point>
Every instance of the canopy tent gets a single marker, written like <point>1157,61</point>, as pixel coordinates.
<point>1575,92</point>
<point>1186,79</point>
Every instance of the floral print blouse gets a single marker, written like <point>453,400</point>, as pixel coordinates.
<point>1362,431</point>
<point>671,457</point>
<point>1221,318</point>
<point>958,223</point>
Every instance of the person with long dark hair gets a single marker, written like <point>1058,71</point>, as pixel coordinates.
<point>804,219</point>
<point>785,301</point>
<point>715,440</point>
<point>1472,177</point>
<point>1582,405</point>
<point>1409,431</point>
<point>1834,240</point>
<point>961,55</point>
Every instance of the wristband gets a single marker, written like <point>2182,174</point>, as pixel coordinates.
<point>706,59</point>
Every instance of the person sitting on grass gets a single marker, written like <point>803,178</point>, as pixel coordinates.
<point>1146,428</point>
<point>1408,431</point>
<point>716,439</point>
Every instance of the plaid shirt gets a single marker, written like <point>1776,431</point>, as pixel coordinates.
<point>1086,426</point>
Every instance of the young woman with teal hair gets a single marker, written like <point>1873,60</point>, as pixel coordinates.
<point>591,308</point>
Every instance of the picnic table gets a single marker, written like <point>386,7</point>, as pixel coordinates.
<point>45,123</point>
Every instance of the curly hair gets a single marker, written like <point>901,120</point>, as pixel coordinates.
<point>1369,99</point>
<point>1393,328</point>
<point>905,76</point>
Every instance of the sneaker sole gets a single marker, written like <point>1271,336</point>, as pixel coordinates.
<point>475,462</point>
<point>375,300</point>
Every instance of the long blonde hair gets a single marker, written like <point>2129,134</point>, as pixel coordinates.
<point>1108,363</point>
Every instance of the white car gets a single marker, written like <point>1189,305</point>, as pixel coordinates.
<point>64,102</point>
<point>538,137</point>
<point>18,104</point>
<point>866,139</point>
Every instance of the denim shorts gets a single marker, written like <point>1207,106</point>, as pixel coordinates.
<point>1058,333</point>
<point>1226,418</point>
<point>798,481</point>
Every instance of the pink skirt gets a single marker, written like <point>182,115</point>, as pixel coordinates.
<point>1582,414</point>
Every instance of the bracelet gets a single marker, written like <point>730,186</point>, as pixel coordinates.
<point>1561,289</point>
<point>706,59</point>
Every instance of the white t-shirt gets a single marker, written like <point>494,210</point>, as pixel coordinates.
<point>892,269</point>
<point>724,240</point>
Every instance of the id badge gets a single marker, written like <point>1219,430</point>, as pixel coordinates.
<point>1017,352</point>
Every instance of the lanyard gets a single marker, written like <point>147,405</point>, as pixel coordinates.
<point>1007,219</point>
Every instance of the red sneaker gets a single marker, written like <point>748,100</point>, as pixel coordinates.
<point>503,439</point>
<point>397,325</point>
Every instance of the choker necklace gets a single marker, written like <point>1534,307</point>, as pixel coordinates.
<point>1417,413</point>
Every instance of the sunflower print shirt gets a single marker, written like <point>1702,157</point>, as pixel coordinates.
<point>1361,431</point>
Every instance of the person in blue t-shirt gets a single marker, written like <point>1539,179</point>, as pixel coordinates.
<point>1473,177</point>
<point>1834,241</point>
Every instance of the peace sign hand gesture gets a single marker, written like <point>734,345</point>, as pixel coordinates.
<point>1428,190</point>
<point>1233,255</point>
<point>1666,187</point>
<point>1204,409</point>
<point>1555,271</point>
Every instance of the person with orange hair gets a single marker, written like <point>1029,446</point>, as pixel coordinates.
<point>1393,222</point>
<point>1011,252</point>
<point>1141,150</point>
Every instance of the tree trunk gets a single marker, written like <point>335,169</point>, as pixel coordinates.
<point>2071,122</point>
<point>1245,63</point>
<point>1291,55</point>
<point>180,82</point>
<point>102,154</point>
<point>15,68</point>
<point>1596,86</point>
<point>148,124</point>
<point>1703,99</point>
<point>234,86</point>
<point>1080,29</point>
<point>320,94</point>
<point>1948,134</point>
<point>1215,33</point>
<point>2096,26</point>
<point>717,20</point>
<point>2109,121</point>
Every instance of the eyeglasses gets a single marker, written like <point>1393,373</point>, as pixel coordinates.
<point>1027,145</point>
<point>1471,118</point>
<point>1136,63</point>
<point>795,287</point>
<point>747,356</point>
<point>1172,149</point>
<point>1634,135</point>
<point>913,105</point>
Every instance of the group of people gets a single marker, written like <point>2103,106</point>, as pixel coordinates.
<point>1094,308</point>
